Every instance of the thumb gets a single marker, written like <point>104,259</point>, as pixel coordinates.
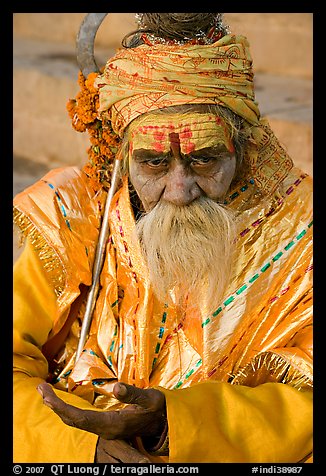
<point>148,398</point>
<point>129,394</point>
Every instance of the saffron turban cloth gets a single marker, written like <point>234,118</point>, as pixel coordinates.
<point>153,76</point>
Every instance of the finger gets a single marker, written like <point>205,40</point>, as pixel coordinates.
<point>87,420</point>
<point>130,394</point>
<point>49,397</point>
<point>68,413</point>
<point>148,398</point>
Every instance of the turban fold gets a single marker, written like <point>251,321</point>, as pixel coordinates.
<point>153,76</point>
<point>142,79</point>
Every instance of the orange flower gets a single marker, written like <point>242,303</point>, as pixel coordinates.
<point>104,142</point>
<point>90,81</point>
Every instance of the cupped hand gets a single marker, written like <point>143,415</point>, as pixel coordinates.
<point>145,414</point>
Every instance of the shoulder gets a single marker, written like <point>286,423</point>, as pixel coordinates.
<point>61,215</point>
<point>47,185</point>
<point>61,196</point>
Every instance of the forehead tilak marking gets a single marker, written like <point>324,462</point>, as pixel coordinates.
<point>185,127</point>
<point>174,139</point>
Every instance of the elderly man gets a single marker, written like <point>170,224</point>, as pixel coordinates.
<point>200,345</point>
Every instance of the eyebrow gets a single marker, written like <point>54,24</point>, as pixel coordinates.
<point>144,154</point>
<point>211,151</point>
<point>147,154</point>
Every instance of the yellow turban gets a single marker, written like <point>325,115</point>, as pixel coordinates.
<point>153,76</point>
<point>149,77</point>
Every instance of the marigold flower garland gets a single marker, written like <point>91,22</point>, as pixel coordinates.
<point>104,142</point>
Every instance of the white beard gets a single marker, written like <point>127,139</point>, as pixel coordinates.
<point>188,250</point>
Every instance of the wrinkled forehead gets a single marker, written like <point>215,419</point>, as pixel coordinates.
<point>192,131</point>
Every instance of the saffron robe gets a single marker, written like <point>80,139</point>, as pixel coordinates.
<point>237,381</point>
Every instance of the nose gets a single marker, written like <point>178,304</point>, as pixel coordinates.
<point>181,188</point>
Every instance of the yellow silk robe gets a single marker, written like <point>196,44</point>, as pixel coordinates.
<point>237,382</point>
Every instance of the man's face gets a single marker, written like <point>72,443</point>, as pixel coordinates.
<point>179,158</point>
<point>181,166</point>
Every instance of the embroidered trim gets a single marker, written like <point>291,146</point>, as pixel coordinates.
<point>160,336</point>
<point>232,298</point>
<point>257,275</point>
<point>47,254</point>
<point>275,364</point>
<point>134,275</point>
<point>236,193</point>
<point>113,342</point>
<point>280,202</point>
<point>61,206</point>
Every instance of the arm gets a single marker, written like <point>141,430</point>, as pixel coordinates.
<point>39,435</point>
<point>209,422</point>
<point>219,422</point>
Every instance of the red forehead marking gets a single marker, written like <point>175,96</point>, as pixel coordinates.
<point>189,147</point>
<point>174,138</point>
<point>159,135</point>
<point>175,142</point>
<point>186,133</point>
<point>158,143</point>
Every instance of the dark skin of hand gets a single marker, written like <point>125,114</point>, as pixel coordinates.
<point>145,415</point>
